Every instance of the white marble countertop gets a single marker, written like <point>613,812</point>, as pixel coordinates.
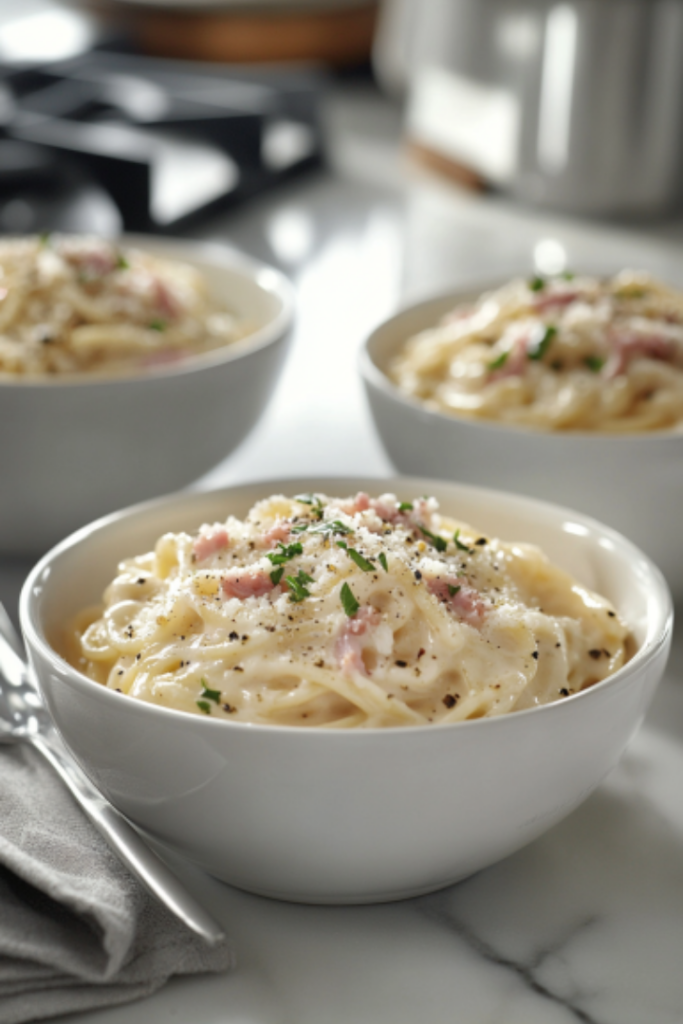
<point>586,924</point>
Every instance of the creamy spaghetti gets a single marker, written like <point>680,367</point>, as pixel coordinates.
<point>83,305</point>
<point>318,611</point>
<point>562,353</point>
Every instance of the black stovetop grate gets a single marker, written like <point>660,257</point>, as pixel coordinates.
<point>167,140</point>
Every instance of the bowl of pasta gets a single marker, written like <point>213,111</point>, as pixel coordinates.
<point>568,389</point>
<point>346,690</point>
<point>128,369</point>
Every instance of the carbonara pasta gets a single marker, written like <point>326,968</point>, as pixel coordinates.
<point>74,305</point>
<point>344,613</point>
<point>563,353</point>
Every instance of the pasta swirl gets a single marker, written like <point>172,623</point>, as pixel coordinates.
<point>565,353</point>
<point>84,305</point>
<point>346,613</point>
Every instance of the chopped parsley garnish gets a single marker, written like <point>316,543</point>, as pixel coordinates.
<point>568,275</point>
<point>122,263</point>
<point>382,559</point>
<point>405,506</point>
<point>276,575</point>
<point>361,562</point>
<point>537,284</point>
<point>458,543</point>
<point>45,238</point>
<point>499,361</point>
<point>453,590</point>
<point>437,542</point>
<point>335,526</point>
<point>214,695</point>
<point>314,501</point>
<point>349,603</point>
<point>204,706</point>
<point>538,350</point>
<point>157,325</point>
<point>286,552</point>
<point>594,363</point>
<point>299,529</point>
<point>297,586</point>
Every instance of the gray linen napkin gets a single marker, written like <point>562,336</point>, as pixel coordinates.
<point>77,931</point>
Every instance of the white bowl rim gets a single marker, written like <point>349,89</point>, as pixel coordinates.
<point>660,615</point>
<point>266,277</point>
<point>373,375</point>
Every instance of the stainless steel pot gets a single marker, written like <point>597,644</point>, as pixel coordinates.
<point>576,104</point>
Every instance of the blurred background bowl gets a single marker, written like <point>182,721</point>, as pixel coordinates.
<point>347,816</point>
<point>633,482</point>
<point>74,449</point>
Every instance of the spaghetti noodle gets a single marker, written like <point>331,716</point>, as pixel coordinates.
<point>360,612</point>
<point>564,353</point>
<point>83,305</point>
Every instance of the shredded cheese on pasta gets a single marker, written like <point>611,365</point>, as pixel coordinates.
<point>344,613</point>
<point>84,305</point>
<point>564,353</point>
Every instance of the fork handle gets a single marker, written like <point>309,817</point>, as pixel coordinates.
<point>126,841</point>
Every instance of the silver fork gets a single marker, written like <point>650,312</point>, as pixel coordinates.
<point>23,717</point>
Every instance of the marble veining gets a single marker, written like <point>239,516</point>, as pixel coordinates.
<point>437,909</point>
<point>585,924</point>
<point>590,916</point>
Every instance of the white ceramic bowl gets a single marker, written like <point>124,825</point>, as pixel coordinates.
<point>74,449</point>
<point>347,816</point>
<point>634,483</point>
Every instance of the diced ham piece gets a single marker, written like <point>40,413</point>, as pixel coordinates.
<point>419,516</point>
<point>244,583</point>
<point>279,533</point>
<point>361,503</point>
<point>349,644</point>
<point>164,299</point>
<point>628,345</point>
<point>555,300</point>
<point>387,513</point>
<point>207,544</point>
<point>420,513</point>
<point>466,603</point>
<point>93,262</point>
<point>516,361</point>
